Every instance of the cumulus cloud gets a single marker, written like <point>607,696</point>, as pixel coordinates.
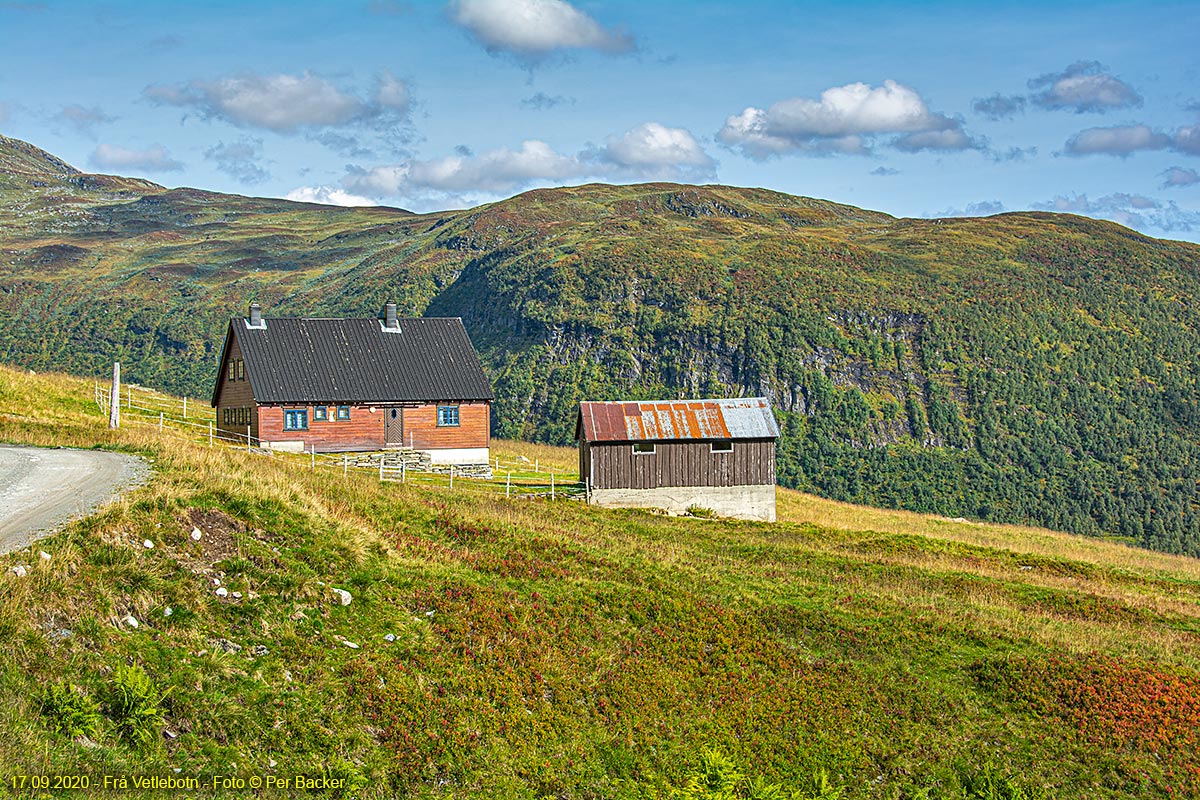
<point>239,160</point>
<point>540,101</point>
<point>1187,140</point>
<point>1083,86</point>
<point>999,106</point>
<point>845,119</point>
<point>327,195</point>
<point>1131,210</point>
<point>534,29</point>
<point>1178,176</point>
<point>496,171</point>
<point>83,119</point>
<point>983,208</point>
<point>153,159</point>
<point>648,151</point>
<point>1124,140</point>
<point>653,150</point>
<point>283,103</point>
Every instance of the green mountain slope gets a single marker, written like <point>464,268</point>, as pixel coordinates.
<point>1025,367</point>
<point>529,649</point>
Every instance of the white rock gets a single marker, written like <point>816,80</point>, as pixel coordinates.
<point>196,534</point>
<point>19,570</point>
<point>237,595</point>
<point>350,644</point>
<point>149,545</point>
<point>343,596</point>
<point>429,613</point>
<point>272,763</point>
<point>43,555</point>
<point>391,637</point>
<point>131,621</point>
<point>168,611</point>
<point>216,581</point>
<point>222,591</point>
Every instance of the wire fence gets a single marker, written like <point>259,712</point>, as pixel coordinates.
<point>181,418</point>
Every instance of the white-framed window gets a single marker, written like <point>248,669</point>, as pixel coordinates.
<point>722,447</point>
<point>295,419</point>
<point>643,448</point>
<point>447,416</point>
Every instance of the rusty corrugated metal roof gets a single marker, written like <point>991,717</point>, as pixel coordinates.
<point>677,420</point>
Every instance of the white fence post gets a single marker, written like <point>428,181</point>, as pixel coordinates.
<point>247,438</point>
<point>345,465</point>
<point>551,485</point>
<point>381,457</point>
<point>160,421</point>
<point>314,457</point>
<point>451,476</point>
<point>508,485</point>
<point>210,434</point>
<point>185,407</point>
<point>114,398</point>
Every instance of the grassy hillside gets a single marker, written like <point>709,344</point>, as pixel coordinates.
<point>559,650</point>
<point>1028,367</point>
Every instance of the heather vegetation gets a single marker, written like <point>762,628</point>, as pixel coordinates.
<point>526,649</point>
<point>1030,368</point>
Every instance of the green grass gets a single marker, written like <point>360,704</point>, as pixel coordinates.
<point>556,650</point>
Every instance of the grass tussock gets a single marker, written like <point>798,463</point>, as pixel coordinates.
<point>528,649</point>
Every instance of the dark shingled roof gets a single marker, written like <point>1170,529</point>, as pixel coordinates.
<point>354,361</point>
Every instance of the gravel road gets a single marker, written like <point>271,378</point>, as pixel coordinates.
<point>42,489</point>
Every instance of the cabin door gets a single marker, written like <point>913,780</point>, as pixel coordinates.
<point>393,427</point>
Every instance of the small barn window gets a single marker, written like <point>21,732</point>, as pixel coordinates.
<point>233,369</point>
<point>447,416</point>
<point>722,447</point>
<point>643,448</point>
<point>225,416</point>
<point>241,370</point>
<point>320,414</point>
<point>295,420</point>
<point>343,412</point>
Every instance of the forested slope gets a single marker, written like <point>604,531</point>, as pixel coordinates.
<point>1025,367</point>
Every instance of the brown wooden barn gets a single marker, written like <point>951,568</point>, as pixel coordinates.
<point>679,454</point>
<point>341,385</point>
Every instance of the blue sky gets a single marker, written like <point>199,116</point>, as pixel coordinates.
<point>916,109</point>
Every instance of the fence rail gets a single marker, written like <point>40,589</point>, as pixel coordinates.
<point>181,419</point>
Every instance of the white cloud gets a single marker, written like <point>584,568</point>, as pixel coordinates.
<point>328,195</point>
<point>1083,86</point>
<point>392,93</point>
<point>532,29</point>
<point>1131,210</point>
<point>1119,140</point>
<point>496,171</point>
<point>999,106</point>
<point>239,160</point>
<point>1178,176</point>
<point>845,119</point>
<point>983,208</point>
<point>1187,140</point>
<point>282,103</point>
<point>652,150</point>
<point>153,159</point>
<point>83,119</point>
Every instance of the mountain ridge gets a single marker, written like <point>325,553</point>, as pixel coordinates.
<point>1025,367</point>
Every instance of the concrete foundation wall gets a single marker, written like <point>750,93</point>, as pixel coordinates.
<point>739,502</point>
<point>459,455</point>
